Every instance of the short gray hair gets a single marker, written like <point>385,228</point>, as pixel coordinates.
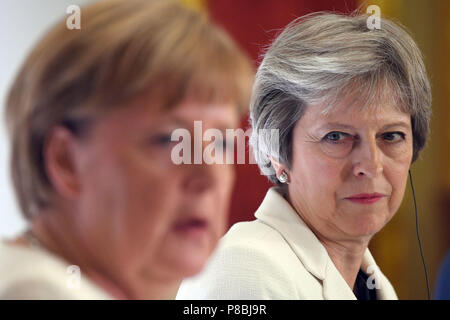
<point>322,57</point>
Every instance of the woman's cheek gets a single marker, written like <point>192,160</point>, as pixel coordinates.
<point>319,180</point>
<point>327,171</point>
<point>397,175</point>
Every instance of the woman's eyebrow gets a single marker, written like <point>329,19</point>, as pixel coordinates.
<point>190,124</point>
<point>336,125</point>
<point>396,124</point>
<point>176,121</point>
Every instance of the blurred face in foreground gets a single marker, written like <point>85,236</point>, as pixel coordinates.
<point>349,168</point>
<point>144,220</point>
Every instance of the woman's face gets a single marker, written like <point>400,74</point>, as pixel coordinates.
<point>346,155</point>
<point>140,214</point>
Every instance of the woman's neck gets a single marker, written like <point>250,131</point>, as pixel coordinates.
<point>347,257</point>
<point>64,243</point>
<point>347,254</point>
<point>163,290</point>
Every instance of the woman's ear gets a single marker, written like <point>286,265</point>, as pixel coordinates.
<point>60,162</point>
<point>279,168</point>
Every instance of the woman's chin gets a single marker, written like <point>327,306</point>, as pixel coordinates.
<point>186,264</point>
<point>366,227</point>
<point>193,270</point>
<point>186,269</point>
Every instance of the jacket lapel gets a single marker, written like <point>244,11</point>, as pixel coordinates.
<point>334,285</point>
<point>276,212</point>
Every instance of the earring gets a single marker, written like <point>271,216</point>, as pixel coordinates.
<point>283,178</point>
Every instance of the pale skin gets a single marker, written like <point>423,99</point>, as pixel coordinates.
<point>133,221</point>
<point>348,152</point>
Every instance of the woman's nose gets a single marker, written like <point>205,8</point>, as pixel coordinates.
<point>201,175</point>
<point>200,178</point>
<point>367,159</point>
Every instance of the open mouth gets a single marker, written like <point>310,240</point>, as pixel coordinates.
<point>191,226</point>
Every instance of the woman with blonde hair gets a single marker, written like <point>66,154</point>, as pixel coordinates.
<point>90,116</point>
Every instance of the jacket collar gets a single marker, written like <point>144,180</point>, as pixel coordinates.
<point>276,212</point>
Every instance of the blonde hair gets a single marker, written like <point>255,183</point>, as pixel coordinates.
<point>123,49</point>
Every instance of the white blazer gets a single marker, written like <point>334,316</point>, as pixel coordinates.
<point>276,256</point>
<point>36,274</point>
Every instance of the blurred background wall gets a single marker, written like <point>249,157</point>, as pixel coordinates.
<point>253,23</point>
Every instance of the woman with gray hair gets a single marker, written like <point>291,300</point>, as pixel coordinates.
<point>351,107</point>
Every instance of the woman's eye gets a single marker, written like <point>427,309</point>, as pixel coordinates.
<point>161,139</point>
<point>336,137</point>
<point>393,136</point>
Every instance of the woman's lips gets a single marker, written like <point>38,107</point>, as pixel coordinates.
<point>193,227</point>
<point>366,198</point>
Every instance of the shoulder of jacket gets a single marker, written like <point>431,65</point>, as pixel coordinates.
<point>35,274</point>
<point>254,234</point>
